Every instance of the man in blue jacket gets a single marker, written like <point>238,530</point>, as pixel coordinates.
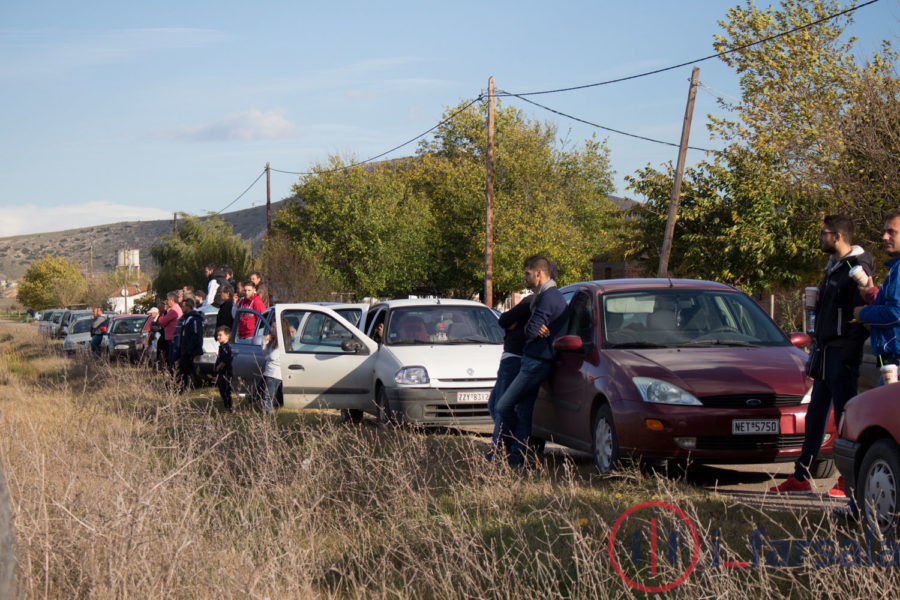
<point>883,316</point>
<point>548,318</point>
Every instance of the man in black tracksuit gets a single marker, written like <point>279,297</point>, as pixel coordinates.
<point>838,343</point>
<point>191,346</point>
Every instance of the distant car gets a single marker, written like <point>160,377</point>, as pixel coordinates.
<point>69,317</point>
<point>436,364</point>
<point>79,336</point>
<point>662,369</point>
<point>868,455</point>
<point>49,322</point>
<point>127,337</point>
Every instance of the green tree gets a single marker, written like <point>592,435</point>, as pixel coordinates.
<point>182,254</point>
<point>51,282</point>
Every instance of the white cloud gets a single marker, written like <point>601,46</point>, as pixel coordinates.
<point>28,218</point>
<point>248,126</point>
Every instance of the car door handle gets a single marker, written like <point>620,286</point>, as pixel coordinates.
<point>296,368</point>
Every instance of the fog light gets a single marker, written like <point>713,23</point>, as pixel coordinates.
<point>690,443</point>
<point>654,424</point>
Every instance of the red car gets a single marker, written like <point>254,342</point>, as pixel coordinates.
<point>664,369</point>
<point>868,456</point>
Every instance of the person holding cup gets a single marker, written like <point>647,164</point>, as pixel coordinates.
<point>837,353</point>
<point>883,315</point>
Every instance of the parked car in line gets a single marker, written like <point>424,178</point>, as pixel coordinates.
<point>662,369</point>
<point>49,322</point>
<point>79,336</point>
<point>69,317</point>
<point>868,456</point>
<point>126,337</point>
<point>435,363</point>
<point>353,312</point>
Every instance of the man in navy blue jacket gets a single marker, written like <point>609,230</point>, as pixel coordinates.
<point>548,318</point>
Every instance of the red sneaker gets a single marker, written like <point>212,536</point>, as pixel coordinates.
<point>838,490</point>
<point>791,486</point>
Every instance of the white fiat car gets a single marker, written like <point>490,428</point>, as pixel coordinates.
<point>428,362</point>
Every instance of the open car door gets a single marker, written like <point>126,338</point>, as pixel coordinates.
<point>326,361</point>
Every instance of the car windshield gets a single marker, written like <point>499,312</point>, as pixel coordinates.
<point>82,325</point>
<point>128,325</point>
<point>443,324</point>
<point>686,318</point>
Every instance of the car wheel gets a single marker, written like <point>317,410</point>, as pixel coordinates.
<point>351,415</point>
<point>878,486</point>
<point>605,446</point>
<point>383,412</point>
<point>822,468</point>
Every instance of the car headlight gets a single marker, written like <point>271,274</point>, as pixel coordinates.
<point>663,392</point>
<point>807,397</point>
<point>412,376</point>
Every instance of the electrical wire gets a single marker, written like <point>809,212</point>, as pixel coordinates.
<point>699,60</point>
<point>386,152</point>
<point>603,127</point>
<point>242,193</point>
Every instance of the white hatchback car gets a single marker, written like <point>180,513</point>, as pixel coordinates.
<point>434,362</point>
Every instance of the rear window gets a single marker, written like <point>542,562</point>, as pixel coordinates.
<point>443,324</point>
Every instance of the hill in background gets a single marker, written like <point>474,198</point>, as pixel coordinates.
<point>18,252</point>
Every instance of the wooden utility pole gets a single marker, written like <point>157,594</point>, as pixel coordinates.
<point>489,202</point>
<point>268,202</point>
<point>92,262</point>
<point>174,222</point>
<point>679,173</point>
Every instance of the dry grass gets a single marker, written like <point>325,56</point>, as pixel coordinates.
<point>121,489</point>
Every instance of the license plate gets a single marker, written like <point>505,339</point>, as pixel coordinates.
<point>754,426</point>
<point>121,346</point>
<point>472,396</point>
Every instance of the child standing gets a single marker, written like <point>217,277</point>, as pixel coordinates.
<point>223,365</point>
<point>272,372</point>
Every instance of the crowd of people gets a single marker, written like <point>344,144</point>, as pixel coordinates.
<point>175,343</point>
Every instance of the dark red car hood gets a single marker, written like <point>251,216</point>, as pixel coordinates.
<point>722,371</point>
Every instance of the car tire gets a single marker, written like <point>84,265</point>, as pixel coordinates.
<point>604,444</point>
<point>383,413</point>
<point>822,468</point>
<point>878,487</point>
<point>351,415</point>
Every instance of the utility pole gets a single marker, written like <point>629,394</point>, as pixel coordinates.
<point>92,262</point>
<point>489,202</point>
<point>268,202</point>
<point>679,173</point>
<point>174,222</point>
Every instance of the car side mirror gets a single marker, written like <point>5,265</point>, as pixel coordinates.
<point>353,347</point>
<point>800,339</point>
<point>568,343</point>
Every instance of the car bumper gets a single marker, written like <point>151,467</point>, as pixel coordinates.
<point>440,407</point>
<point>845,453</point>
<point>707,435</point>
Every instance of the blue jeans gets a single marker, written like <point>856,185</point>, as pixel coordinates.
<point>268,400</point>
<point>95,345</point>
<point>509,368</point>
<point>516,405</point>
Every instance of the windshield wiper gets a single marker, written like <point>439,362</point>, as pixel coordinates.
<point>638,345</point>
<point>701,343</point>
<point>471,340</point>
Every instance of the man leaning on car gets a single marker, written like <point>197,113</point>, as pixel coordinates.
<point>835,358</point>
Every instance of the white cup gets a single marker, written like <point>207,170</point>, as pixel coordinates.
<point>811,294</point>
<point>889,373</point>
<point>859,275</point>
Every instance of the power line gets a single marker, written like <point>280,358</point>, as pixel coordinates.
<point>242,193</point>
<point>603,127</point>
<point>699,60</point>
<point>386,152</point>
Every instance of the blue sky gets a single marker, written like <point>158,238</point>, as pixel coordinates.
<point>117,111</point>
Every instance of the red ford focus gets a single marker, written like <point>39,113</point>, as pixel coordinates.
<point>676,369</point>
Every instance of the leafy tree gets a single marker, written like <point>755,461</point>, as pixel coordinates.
<point>292,275</point>
<point>417,225</point>
<point>183,254</point>
<point>51,282</point>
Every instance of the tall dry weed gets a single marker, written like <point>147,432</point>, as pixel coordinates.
<point>121,488</point>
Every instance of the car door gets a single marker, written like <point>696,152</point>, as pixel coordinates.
<point>248,359</point>
<point>326,362</point>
